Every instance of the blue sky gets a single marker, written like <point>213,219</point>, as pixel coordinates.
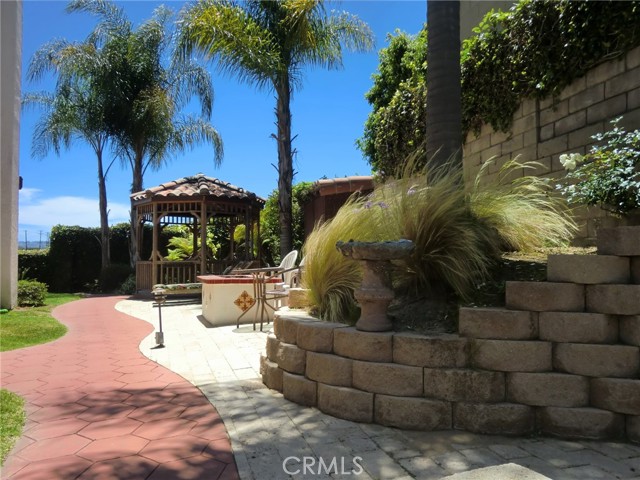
<point>328,116</point>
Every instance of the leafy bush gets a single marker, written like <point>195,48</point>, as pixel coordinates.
<point>31,293</point>
<point>609,175</point>
<point>33,265</point>
<point>536,50</point>
<point>128,287</point>
<point>457,235</point>
<point>113,276</point>
<point>270,223</point>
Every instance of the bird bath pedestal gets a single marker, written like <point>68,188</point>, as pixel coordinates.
<point>375,293</point>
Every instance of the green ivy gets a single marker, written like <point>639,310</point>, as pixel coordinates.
<point>536,50</point>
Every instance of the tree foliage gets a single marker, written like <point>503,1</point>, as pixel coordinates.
<point>270,228</point>
<point>270,44</point>
<point>395,129</point>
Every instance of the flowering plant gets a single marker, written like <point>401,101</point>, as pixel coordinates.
<point>609,175</point>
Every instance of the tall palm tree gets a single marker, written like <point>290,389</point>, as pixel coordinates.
<point>444,111</point>
<point>269,44</point>
<point>75,111</point>
<point>146,95</point>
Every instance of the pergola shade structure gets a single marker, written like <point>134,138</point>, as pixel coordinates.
<point>198,202</point>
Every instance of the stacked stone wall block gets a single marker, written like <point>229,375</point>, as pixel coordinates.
<point>548,389</point>
<point>494,418</point>
<point>633,99</point>
<point>580,423</point>
<point>477,144</point>
<point>545,296</point>
<point>614,299</point>
<point>388,378</point>
<point>511,355</point>
<point>630,330</point>
<point>329,369</point>
<point>524,124</point>
<point>528,106</point>
<point>273,345</point>
<point>633,428</point>
<point>516,142</point>
<point>300,390</point>
<point>597,360</point>
<point>368,346</point>
<point>577,86</point>
<point>412,413</point>
<point>578,327</point>
<point>620,395</point>
<point>464,385</point>
<point>633,58</point>
<point>291,358</point>
<point>582,137</point>
<point>493,152</point>
<point>554,112</point>
<point>439,351</point>
<point>547,132</point>
<point>271,374</point>
<point>554,146</point>
<point>608,109</point>
<point>605,71</point>
<point>298,298</point>
<point>635,270</point>
<point>622,241</point>
<point>586,97</point>
<point>497,323</point>
<point>588,269</point>
<point>346,403</point>
<point>530,142</point>
<point>571,122</point>
<point>285,327</point>
<point>316,336</point>
<point>499,137</point>
<point>623,83</point>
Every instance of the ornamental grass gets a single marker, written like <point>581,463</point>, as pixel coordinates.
<point>457,234</point>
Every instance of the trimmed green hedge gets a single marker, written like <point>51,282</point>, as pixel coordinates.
<point>31,293</point>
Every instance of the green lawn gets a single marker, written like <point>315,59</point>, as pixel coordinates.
<point>23,327</point>
<point>11,421</point>
<point>26,326</point>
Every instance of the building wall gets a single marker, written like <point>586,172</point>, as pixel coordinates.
<point>10,63</point>
<point>542,130</point>
<point>473,11</point>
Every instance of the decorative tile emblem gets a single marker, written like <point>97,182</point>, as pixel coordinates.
<point>244,301</point>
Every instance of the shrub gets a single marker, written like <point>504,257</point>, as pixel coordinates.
<point>31,293</point>
<point>33,265</point>
<point>112,277</point>
<point>457,235</point>
<point>128,287</point>
<point>609,175</point>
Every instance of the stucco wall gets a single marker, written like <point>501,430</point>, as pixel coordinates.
<point>543,130</point>
<point>11,48</point>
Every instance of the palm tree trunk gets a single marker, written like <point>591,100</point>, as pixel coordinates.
<point>285,164</point>
<point>444,111</point>
<point>136,186</point>
<point>104,215</point>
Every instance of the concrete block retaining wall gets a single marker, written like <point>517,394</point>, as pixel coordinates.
<point>542,130</point>
<point>562,359</point>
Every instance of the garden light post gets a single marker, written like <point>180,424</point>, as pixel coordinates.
<point>160,297</point>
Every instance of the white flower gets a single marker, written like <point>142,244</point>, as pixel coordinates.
<point>570,161</point>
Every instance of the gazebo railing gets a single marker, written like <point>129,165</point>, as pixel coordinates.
<point>172,272</point>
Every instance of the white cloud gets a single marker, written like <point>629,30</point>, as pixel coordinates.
<point>66,210</point>
<point>28,194</point>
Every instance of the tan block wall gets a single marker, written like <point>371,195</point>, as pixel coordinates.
<point>562,359</point>
<point>542,130</point>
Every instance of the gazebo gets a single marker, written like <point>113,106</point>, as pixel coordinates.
<point>197,201</point>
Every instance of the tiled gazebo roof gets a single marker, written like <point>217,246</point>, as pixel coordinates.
<point>197,185</point>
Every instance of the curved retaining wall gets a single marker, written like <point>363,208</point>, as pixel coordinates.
<point>562,359</point>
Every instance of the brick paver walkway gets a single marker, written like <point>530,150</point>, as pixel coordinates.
<point>98,409</point>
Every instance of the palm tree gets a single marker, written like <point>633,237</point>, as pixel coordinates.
<point>146,97</point>
<point>444,111</point>
<point>75,111</point>
<point>269,44</point>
